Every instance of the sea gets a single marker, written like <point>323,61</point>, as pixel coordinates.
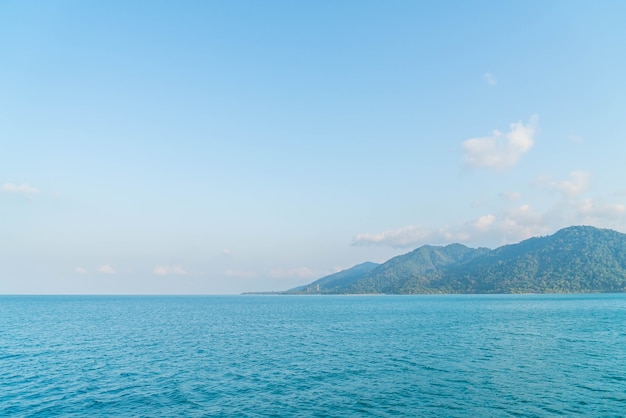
<point>313,356</point>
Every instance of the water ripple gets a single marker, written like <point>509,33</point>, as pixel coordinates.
<point>518,356</point>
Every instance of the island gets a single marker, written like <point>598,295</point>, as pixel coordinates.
<point>577,259</point>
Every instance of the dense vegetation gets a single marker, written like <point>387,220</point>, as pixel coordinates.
<point>574,260</point>
<point>337,282</point>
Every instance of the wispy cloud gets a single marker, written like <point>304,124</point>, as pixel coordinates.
<point>511,195</point>
<point>490,79</point>
<point>80,270</point>
<point>23,189</point>
<point>299,272</point>
<point>509,225</point>
<point>167,270</point>
<point>594,210</point>
<point>484,222</point>
<point>501,150</point>
<point>411,236</point>
<point>486,229</point>
<point>570,205</point>
<point>577,183</point>
<point>106,269</point>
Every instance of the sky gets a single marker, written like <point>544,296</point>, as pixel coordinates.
<point>207,147</point>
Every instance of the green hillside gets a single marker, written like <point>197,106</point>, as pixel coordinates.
<point>577,259</point>
<point>336,282</point>
<point>394,275</point>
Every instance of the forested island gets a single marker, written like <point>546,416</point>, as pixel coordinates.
<point>578,259</point>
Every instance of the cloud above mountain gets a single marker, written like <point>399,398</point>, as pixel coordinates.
<point>511,224</point>
<point>500,150</point>
<point>577,183</point>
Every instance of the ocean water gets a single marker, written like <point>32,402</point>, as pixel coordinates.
<point>313,356</point>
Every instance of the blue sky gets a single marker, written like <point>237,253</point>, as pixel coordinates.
<point>221,147</point>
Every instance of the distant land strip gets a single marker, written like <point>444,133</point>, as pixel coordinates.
<point>577,259</point>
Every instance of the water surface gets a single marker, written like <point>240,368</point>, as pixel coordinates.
<point>383,356</point>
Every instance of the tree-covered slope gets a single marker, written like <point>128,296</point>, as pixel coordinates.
<point>393,275</point>
<point>336,282</point>
<point>574,259</point>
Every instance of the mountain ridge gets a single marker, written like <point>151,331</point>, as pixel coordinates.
<point>576,259</point>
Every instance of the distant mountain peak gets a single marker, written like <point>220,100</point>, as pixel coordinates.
<point>578,258</point>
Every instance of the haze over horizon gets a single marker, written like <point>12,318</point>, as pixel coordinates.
<point>222,147</point>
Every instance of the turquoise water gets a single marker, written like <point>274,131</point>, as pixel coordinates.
<point>338,356</point>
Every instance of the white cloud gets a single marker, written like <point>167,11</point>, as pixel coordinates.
<point>242,274</point>
<point>411,236</point>
<point>299,272</point>
<point>491,229</point>
<point>227,252</point>
<point>23,189</point>
<point>509,225</point>
<point>500,150</point>
<point>590,209</point>
<point>396,238</point>
<point>577,183</point>
<point>107,269</point>
<point>178,270</point>
<point>490,79</point>
<point>523,213</point>
<point>160,270</point>
<point>80,270</point>
<point>515,221</point>
<point>484,222</point>
<point>167,270</point>
<point>511,195</point>
<point>523,222</point>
